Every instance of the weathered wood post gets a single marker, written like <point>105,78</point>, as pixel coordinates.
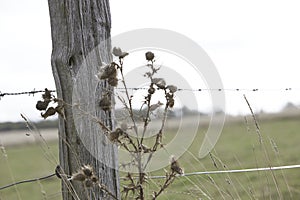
<point>78,27</point>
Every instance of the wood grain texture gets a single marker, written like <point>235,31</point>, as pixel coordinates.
<point>80,28</point>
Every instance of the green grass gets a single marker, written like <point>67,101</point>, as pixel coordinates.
<point>237,148</point>
<point>28,162</point>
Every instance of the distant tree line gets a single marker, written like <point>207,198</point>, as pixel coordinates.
<point>10,126</point>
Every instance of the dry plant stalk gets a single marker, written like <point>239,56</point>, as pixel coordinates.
<point>136,145</point>
<point>121,136</point>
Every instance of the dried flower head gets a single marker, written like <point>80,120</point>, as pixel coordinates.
<point>113,81</point>
<point>114,135</point>
<point>94,179</point>
<point>86,175</point>
<point>159,82</point>
<point>149,56</point>
<point>151,90</point>
<point>107,71</point>
<point>105,103</point>
<point>119,53</point>
<point>175,166</point>
<point>87,170</point>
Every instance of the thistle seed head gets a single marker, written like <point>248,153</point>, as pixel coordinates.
<point>149,56</point>
<point>87,170</point>
<point>175,166</point>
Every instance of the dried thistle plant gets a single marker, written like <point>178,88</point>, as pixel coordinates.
<point>135,143</point>
<point>86,175</point>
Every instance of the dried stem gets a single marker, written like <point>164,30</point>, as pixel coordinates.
<point>163,122</point>
<point>169,179</point>
<point>130,110</point>
<point>104,188</point>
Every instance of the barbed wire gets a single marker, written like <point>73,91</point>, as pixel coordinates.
<point>33,92</point>
<point>221,89</point>
<point>28,181</point>
<point>162,177</point>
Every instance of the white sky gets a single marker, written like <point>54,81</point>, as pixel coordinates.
<point>254,44</point>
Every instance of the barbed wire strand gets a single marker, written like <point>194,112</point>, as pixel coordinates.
<point>183,175</point>
<point>28,181</point>
<point>33,92</point>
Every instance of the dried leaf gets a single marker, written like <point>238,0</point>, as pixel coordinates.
<point>172,88</point>
<point>105,103</point>
<point>49,112</point>
<point>42,105</point>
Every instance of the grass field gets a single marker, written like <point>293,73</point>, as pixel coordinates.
<point>237,148</point>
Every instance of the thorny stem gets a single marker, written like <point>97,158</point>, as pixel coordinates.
<point>104,188</point>
<point>130,110</point>
<point>169,179</point>
<point>148,102</point>
<point>129,100</point>
<point>147,115</point>
<point>141,174</point>
<point>159,135</point>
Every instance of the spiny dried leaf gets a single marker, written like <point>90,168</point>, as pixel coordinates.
<point>42,105</point>
<point>108,71</point>
<point>172,88</point>
<point>60,110</point>
<point>113,81</point>
<point>88,183</point>
<point>159,82</point>
<point>79,176</point>
<point>47,94</point>
<point>49,112</point>
<point>171,103</point>
<point>105,103</point>
<point>114,135</point>
<point>153,107</point>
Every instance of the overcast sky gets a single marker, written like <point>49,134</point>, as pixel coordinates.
<point>254,44</point>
